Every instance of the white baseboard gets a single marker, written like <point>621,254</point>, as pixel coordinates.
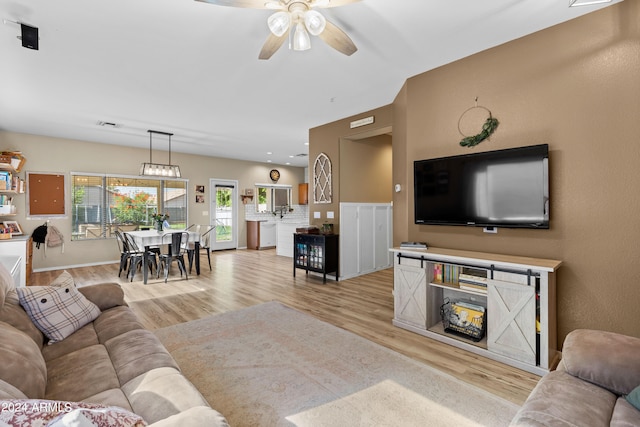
<point>62,267</point>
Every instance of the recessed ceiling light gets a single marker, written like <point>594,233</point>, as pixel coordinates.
<point>269,153</point>
<point>268,161</point>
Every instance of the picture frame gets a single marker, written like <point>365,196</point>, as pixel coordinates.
<point>14,227</point>
<point>199,198</point>
<point>200,189</point>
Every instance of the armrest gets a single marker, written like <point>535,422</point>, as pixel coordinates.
<point>104,295</point>
<point>606,359</point>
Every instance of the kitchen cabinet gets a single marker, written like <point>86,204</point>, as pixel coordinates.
<point>261,234</point>
<point>303,194</point>
<point>284,242</point>
<point>20,246</point>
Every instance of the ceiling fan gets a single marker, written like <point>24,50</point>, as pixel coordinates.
<point>300,16</point>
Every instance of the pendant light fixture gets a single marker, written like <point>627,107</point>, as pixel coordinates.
<point>159,169</point>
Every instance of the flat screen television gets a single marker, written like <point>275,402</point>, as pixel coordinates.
<point>502,188</point>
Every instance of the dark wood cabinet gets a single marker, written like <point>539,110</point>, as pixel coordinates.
<point>316,252</point>
<point>303,194</point>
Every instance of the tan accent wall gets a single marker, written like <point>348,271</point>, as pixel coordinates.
<point>576,87</point>
<point>45,154</point>
<point>327,139</point>
<point>367,160</point>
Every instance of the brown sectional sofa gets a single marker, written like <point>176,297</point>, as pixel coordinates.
<point>598,369</point>
<point>112,361</point>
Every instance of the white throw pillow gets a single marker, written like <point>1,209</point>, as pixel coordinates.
<point>57,311</point>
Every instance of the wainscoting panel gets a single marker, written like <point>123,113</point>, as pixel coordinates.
<point>365,238</point>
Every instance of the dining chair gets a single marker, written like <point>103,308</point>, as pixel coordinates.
<point>137,256</point>
<point>175,252</point>
<point>205,244</point>
<point>124,252</point>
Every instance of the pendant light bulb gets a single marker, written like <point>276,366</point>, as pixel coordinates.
<point>315,22</point>
<point>301,38</point>
<point>279,23</point>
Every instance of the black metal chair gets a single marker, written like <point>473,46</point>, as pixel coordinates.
<point>175,252</point>
<point>124,252</point>
<point>205,244</point>
<point>137,256</point>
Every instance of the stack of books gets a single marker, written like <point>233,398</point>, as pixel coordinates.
<point>473,279</point>
<point>417,245</point>
<point>6,180</point>
<point>445,273</point>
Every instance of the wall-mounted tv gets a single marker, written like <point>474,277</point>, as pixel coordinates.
<point>502,188</point>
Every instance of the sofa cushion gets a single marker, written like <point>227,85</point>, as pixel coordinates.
<point>21,362</point>
<point>51,413</point>
<point>13,314</point>
<point>624,414</point>
<point>564,400</point>
<point>111,397</point>
<point>7,391</point>
<point>136,352</point>
<point>57,311</point>
<point>197,416</point>
<point>603,358</point>
<point>634,398</point>
<point>115,321</point>
<point>104,295</point>
<point>85,372</point>
<point>160,393</point>
<point>83,337</point>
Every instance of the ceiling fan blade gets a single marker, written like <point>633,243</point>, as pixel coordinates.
<point>330,3</point>
<point>338,39</point>
<point>272,44</point>
<point>251,4</point>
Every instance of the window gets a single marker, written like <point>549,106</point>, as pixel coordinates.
<point>103,204</point>
<point>272,198</point>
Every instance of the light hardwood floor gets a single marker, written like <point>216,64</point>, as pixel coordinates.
<point>362,305</point>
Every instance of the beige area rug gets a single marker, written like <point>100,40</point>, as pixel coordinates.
<point>271,365</point>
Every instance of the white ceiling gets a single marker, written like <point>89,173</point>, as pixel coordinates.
<point>191,68</point>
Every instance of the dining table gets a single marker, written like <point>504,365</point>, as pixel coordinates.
<point>149,238</point>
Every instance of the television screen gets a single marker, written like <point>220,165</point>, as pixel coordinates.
<point>503,188</point>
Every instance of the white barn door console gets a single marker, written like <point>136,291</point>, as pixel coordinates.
<point>517,296</point>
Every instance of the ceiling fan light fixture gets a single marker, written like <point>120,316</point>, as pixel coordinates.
<point>279,23</point>
<point>301,39</point>
<point>314,22</point>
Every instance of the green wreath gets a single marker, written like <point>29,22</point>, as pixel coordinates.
<point>488,128</point>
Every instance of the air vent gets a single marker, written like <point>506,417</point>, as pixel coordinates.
<point>108,124</point>
<point>301,155</point>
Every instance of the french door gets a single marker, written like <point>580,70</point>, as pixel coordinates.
<point>224,213</point>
